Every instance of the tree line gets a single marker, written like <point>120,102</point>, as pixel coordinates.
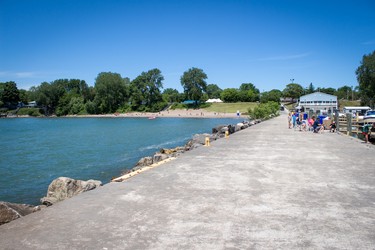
<point>113,93</point>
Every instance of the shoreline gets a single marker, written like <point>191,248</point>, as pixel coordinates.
<point>189,113</point>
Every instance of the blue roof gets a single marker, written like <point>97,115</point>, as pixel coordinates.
<point>189,102</point>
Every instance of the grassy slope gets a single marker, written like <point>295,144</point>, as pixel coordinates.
<point>346,103</point>
<point>231,107</point>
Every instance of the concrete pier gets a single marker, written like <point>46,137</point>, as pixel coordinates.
<point>266,187</point>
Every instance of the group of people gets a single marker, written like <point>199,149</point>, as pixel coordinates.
<point>297,121</point>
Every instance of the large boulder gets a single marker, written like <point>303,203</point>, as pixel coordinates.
<point>145,161</point>
<point>200,138</point>
<point>159,157</point>
<point>219,129</point>
<point>11,211</point>
<point>64,187</point>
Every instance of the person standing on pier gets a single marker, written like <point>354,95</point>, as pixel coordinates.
<point>289,120</point>
<point>366,130</point>
<point>294,118</point>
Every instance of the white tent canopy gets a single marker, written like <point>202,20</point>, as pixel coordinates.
<point>214,100</point>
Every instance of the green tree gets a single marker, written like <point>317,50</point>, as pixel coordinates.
<point>310,89</point>
<point>10,94</point>
<point>48,95</point>
<point>249,86</point>
<point>273,95</point>
<point>293,90</point>
<point>213,91</point>
<point>366,79</point>
<point>330,91</point>
<point>24,98</point>
<point>172,95</point>
<point>343,92</point>
<point>111,92</point>
<point>230,95</point>
<point>76,105</point>
<point>194,84</point>
<point>76,86</point>
<point>248,92</point>
<point>73,89</point>
<point>90,107</point>
<point>32,93</point>
<point>145,90</point>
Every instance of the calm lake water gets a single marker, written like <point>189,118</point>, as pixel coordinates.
<point>35,151</point>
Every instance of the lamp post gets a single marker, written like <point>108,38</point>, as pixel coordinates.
<point>292,80</point>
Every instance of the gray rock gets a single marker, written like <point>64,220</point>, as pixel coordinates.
<point>218,129</point>
<point>145,161</point>
<point>159,157</point>
<point>224,129</point>
<point>171,151</point>
<point>11,211</point>
<point>64,187</point>
<point>238,128</point>
<point>200,138</point>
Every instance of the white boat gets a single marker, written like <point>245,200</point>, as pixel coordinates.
<point>369,117</point>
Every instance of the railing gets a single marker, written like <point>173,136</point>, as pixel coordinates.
<point>348,125</point>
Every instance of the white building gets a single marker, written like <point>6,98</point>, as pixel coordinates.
<point>318,101</point>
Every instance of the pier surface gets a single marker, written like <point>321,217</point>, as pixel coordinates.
<point>266,187</point>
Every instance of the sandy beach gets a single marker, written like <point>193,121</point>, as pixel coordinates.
<point>190,113</point>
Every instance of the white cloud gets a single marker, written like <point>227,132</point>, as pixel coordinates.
<point>369,42</point>
<point>25,74</point>
<point>284,57</point>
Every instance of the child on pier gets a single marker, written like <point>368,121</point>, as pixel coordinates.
<point>332,127</point>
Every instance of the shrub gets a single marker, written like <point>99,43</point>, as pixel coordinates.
<point>29,111</point>
<point>264,110</point>
<point>90,107</point>
<point>178,106</point>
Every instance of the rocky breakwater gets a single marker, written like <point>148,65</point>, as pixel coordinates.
<point>60,189</point>
<point>167,154</point>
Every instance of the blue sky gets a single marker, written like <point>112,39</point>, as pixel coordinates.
<point>265,42</point>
